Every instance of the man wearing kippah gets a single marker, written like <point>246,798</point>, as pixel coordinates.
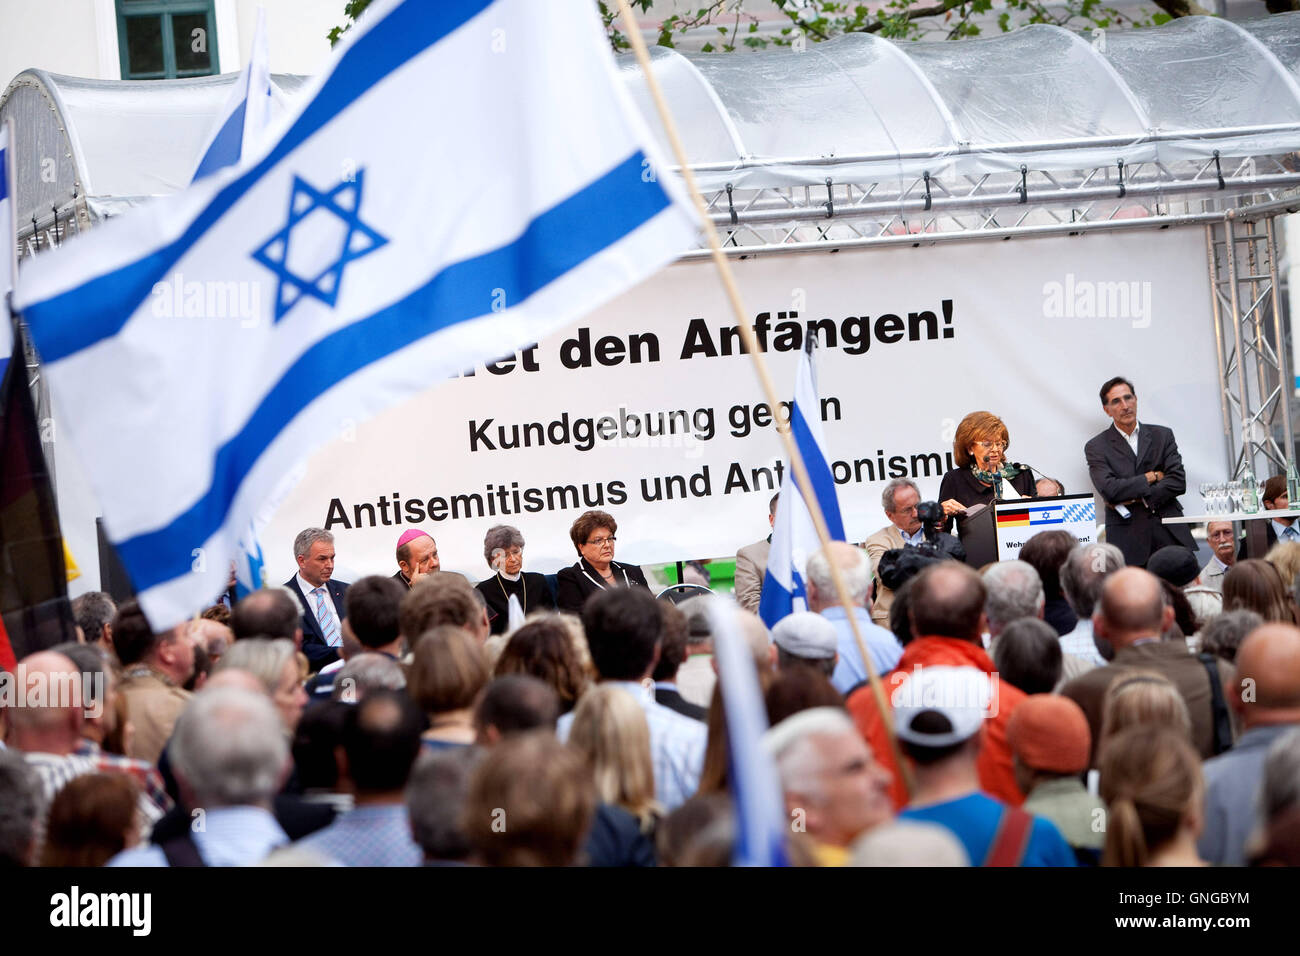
<point>417,555</point>
<point>1050,743</point>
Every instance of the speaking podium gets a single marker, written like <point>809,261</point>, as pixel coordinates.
<point>979,535</point>
<point>997,532</point>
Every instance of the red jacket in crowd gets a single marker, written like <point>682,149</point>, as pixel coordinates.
<point>997,777</point>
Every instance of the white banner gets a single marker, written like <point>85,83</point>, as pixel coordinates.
<point>648,409</point>
<point>1018,521</point>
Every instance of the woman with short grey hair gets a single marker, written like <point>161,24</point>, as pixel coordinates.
<point>503,549</point>
<point>275,664</point>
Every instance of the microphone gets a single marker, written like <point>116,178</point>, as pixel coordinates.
<point>1021,467</point>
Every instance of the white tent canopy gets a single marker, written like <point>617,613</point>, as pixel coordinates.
<point>110,144</point>
<point>857,109</point>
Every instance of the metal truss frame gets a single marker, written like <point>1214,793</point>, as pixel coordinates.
<point>1251,344</point>
<point>1017,202</point>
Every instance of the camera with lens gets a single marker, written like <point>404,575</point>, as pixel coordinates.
<point>932,518</point>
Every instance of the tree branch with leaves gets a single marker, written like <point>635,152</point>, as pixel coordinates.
<point>818,20</point>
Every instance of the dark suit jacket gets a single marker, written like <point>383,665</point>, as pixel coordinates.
<point>1118,475</point>
<point>313,638</point>
<point>531,588</point>
<point>675,701</point>
<point>572,587</point>
<point>1270,539</point>
<point>963,486</point>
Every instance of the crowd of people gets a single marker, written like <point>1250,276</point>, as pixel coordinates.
<point>1059,710</point>
<point>1112,704</point>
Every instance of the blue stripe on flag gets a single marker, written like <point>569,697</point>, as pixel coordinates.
<point>1034,521</point>
<point>227,146</point>
<point>248,565</point>
<point>555,242</point>
<point>819,472</point>
<point>775,602</point>
<point>4,176</point>
<point>63,324</point>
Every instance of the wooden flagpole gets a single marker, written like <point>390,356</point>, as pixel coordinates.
<point>764,377</point>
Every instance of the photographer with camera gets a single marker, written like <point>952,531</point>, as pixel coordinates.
<point>912,523</point>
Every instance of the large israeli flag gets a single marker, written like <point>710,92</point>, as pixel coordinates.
<point>794,536</point>
<point>243,120</point>
<point>8,248</point>
<point>464,179</point>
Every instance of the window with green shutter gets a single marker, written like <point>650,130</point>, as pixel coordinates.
<point>166,39</point>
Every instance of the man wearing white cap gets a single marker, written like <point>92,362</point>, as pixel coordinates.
<point>939,715</point>
<point>805,639</point>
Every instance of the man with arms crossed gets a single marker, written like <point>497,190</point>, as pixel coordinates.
<point>1139,474</point>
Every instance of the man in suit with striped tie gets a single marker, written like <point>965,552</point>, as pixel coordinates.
<point>321,598</point>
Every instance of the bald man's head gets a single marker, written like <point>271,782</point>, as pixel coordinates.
<point>1268,675</point>
<point>1132,607</point>
<point>947,600</point>
<point>48,713</point>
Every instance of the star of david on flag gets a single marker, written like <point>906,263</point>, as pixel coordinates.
<point>339,212</point>
<point>195,416</point>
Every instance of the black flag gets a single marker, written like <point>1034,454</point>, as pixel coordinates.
<point>33,579</point>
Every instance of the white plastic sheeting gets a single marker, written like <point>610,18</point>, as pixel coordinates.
<point>854,109</point>
<point>859,108</point>
<point>112,143</point>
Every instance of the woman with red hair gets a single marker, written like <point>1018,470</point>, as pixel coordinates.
<point>982,471</point>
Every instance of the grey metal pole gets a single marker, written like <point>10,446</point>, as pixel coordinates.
<point>778,211</point>
<point>1230,239</point>
<point>1213,268</point>
<point>1286,384</point>
<point>1256,327</point>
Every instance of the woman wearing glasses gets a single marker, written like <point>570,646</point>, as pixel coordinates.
<point>504,549</point>
<point>982,471</point>
<point>595,569</point>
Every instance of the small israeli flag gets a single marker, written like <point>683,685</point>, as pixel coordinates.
<point>794,536</point>
<point>247,113</point>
